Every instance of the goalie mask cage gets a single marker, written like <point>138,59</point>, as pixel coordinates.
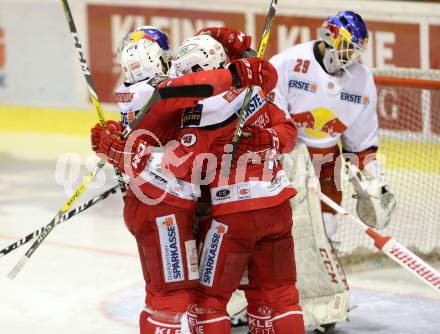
<point>409,121</point>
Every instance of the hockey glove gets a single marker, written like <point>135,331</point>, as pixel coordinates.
<point>375,203</point>
<point>253,71</point>
<point>255,140</point>
<point>114,127</point>
<point>234,42</point>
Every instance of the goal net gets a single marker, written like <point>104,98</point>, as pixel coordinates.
<point>409,121</point>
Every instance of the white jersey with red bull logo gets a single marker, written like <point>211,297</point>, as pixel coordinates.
<point>323,107</point>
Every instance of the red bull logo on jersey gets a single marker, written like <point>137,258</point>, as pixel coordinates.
<point>210,253</point>
<point>319,123</point>
<point>306,86</point>
<point>354,98</point>
<point>170,247</point>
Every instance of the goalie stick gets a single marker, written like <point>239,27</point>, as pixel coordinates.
<point>393,249</point>
<point>59,219</point>
<point>248,96</point>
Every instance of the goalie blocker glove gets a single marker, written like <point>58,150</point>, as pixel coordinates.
<point>375,202</point>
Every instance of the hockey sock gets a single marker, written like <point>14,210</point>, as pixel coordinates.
<point>145,314</point>
<point>288,320</point>
<point>192,318</point>
<point>213,323</point>
<point>153,326</point>
<point>259,319</point>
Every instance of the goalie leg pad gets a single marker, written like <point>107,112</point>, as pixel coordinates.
<point>323,290</point>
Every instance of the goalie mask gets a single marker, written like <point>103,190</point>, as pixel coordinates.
<point>345,36</point>
<point>142,60</point>
<point>198,53</point>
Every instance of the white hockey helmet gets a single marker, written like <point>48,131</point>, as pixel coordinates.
<point>197,53</point>
<point>142,60</point>
<point>148,32</point>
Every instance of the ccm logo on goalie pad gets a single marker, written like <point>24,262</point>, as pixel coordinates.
<point>170,248</point>
<point>211,249</point>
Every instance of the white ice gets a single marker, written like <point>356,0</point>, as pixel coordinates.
<point>86,277</point>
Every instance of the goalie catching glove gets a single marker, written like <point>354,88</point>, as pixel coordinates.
<point>107,144</point>
<point>375,203</point>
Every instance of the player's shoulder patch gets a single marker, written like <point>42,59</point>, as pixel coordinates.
<point>157,80</point>
<point>231,94</point>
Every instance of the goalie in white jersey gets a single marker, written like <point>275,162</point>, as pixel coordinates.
<point>331,98</point>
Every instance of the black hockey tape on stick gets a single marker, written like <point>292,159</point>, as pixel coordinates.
<point>59,219</point>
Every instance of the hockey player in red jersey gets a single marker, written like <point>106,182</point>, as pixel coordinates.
<point>243,235</point>
<point>163,231</point>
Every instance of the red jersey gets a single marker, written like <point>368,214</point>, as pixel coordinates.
<point>162,122</point>
<point>202,146</point>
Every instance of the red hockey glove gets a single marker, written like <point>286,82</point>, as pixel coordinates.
<point>114,127</point>
<point>113,149</point>
<point>263,142</point>
<point>95,136</point>
<point>254,71</point>
<point>234,41</point>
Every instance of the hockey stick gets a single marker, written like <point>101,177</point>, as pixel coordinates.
<point>248,96</point>
<point>393,249</point>
<point>197,91</point>
<point>90,85</point>
<point>83,186</point>
<point>59,219</point>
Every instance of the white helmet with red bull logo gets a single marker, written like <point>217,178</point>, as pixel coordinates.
<point>148,32</point>
<point>142,60</point>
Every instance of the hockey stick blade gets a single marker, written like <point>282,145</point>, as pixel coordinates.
<point>65,217</point>
<point>392,248</point>
<point>13,273</point>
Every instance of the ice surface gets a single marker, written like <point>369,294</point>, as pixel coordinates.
<point>86,277</point>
